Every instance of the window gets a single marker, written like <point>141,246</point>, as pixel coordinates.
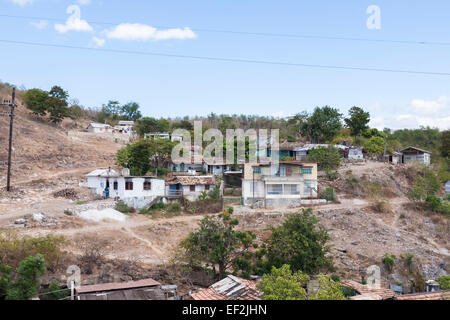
<point>275,189</point>
<point>147,184</point>
<point>207,187</point>
<point>291,189</point>
<point>306,171</point>
<point>192,188</point>
<point>128,185</point>
<point>115,185</point>
<point>256,170</point>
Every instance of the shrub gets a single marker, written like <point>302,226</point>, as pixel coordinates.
<point>331,175</point>
<point>389,261</point>
<point>444,282</point>
<point>175,207</point>
<point>335,278</point>
<point>54,292</point>
<point>14,249</point>
<point>327,158</point>
<point>122,207</point>
<point>382,206</point>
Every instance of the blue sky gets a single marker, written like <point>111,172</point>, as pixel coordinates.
<point>173,87</point>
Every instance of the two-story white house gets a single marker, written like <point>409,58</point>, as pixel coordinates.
<point>279,185</point>
<point>135,191</point>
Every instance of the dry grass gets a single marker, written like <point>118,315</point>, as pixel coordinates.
<point>381,206</point>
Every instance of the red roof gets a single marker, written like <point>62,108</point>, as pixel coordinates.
<point>366,290</point>
<point>117,286</point>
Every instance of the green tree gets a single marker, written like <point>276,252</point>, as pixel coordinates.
<point>445,146</point>
<point>112,109</point>
<point>27,284</point>
<point>144,154</point>
<point>5,278</point>
<point>217,245</point>
<point>444,282</point>
<point>357,121</point>
<point>327,158</point>
<point>282,284</point>
<point>328,289</point>
<point>299,242</point>
<point>183,124</point>
<point>54,292</point>
<point>57,104</point>
<point>130,111</point>
<point>375,145</point>
<point>36,101</point>
<point>323,124</point>
<point>148,125</point>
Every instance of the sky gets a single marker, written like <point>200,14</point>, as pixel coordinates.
<point>168,86</point>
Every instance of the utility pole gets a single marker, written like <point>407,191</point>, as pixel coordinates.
<point>11,115</point>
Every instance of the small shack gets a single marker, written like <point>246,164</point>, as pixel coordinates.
<point>229,288</point>
<point>447,188</point>
<point>355,153</point>
<point>147,289</point>
<point>413,154</point>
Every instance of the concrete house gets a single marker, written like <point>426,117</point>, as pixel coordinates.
<point>281,185</point>
<point>125,126</point>
<point>189,187</point>
<point>136,192</point>
<point>100,128</point>
<point>157,135</point>
<point>355,153</point>
<point>447,188</point>
<point>413,154</point>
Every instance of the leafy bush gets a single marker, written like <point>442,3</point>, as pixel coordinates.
<point>444,282</point>
<point>122,207</point>
<point>327,158</point>
<point>299,242</point>
<point>331,175</point>
<point>381,206</point>
<point>14,249</point>
<point>214,193</point>
<point>54,292</point>
<point>389,261</point>
<point>174,207</point>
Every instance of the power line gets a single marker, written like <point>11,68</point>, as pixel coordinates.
<point>220,59</point>
<point>259,34</point>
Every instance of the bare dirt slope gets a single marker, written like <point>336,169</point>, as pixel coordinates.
<point>45,158</point>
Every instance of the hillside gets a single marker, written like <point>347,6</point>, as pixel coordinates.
<point>46,156</point>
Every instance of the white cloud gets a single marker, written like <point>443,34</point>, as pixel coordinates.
<point>22,3</point>
<point>74,22</point>
<point>97,42</point>
<point>431,107</point>
<point>84,2</point>
<point>418,113</point>
<point>40,25</point>
<point>142,32</point>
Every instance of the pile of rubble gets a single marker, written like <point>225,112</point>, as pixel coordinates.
<point>35,219</point>
<point>66,193</point>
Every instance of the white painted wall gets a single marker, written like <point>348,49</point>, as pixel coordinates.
<point>98,185</point>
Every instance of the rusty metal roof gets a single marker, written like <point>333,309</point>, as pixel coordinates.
<point>192,180</point>
<point>117,286</point>
<point>229,288</point>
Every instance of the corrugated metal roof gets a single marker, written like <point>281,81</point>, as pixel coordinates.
<point>192,180</point>
<point>103,173</point>
<point>117,286</point>
<point>229,288</point>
